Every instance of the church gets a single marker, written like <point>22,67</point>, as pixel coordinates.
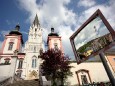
<point>32,48</point>
<point>25,64</point>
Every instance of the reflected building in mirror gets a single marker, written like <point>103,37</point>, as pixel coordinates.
<point>94,46</point>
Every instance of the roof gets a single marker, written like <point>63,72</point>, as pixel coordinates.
<point>52,33</point>
<point>36,21</point>
<point>17,32</point>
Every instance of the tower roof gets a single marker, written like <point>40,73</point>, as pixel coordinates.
<point>52,33</point>
<point>16,32</point>
<point>36,21</point>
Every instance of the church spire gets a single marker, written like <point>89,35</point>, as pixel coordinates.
<point>36,21</point>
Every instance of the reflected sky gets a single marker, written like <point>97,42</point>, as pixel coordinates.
<point>93,30</point>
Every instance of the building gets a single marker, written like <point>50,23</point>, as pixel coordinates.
<point>26,65</point>
<point>54,41</point>
<point>83,73</point>
<point>87,72</point>
<point>32,47</point>
<point>11,55</point>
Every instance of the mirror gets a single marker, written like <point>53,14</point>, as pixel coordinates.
<point>93,36</point>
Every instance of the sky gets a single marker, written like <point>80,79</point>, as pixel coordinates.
<point>66,16</point>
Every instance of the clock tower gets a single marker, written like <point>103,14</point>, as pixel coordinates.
<point>32,48</point>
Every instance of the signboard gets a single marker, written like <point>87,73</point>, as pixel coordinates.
<point>94,36</point>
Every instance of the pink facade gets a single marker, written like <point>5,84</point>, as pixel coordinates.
<point>54,41</point>
<point>111,58</point>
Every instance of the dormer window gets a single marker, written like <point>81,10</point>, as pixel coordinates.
<point>10,45</point>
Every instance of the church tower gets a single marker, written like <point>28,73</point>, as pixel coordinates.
<point>32,48</point>
<point>11,56</point>
<point>54,41</point>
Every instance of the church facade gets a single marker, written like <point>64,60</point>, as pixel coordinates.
<point>32,49</point>
<point>25,64</point>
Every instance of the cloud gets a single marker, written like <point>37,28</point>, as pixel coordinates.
<point>65,33</point>
<point>4,32</point>
<point>106,9</point>
<point>86,3</point>
<point>52,13</point>
<point>55,13</point>
<point>24,32</point>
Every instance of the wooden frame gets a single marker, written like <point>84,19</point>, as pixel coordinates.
<point>112,32</point>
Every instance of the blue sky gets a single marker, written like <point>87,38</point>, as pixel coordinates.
<point>66,16</point>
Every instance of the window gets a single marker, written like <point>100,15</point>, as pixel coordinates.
<point>55,46</point>
<point>34,48</point>
<point>10,45</point>
<point>34,62</point>
<point>84,79</point>
<point>20,64</point>
<point>7,62</point>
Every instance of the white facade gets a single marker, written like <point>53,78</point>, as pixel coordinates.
<point>8,70</point>
<point>32,48</point>
<point>96,71</point>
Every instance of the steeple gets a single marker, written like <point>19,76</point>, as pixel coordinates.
<point>36,21</point>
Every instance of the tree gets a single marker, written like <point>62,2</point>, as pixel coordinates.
<point>55,65</point>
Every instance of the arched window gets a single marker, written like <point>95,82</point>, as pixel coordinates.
<point>34,62</point>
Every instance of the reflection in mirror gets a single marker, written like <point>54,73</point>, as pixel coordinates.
<point>92,38</point>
